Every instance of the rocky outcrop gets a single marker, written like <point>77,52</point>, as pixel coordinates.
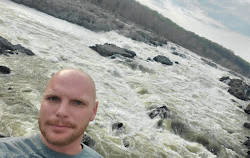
<point>246,125</point>
<point>162,59</point>
<point>7,48</point>
<point>162,112</point>
<point>108,50</point>
<point>93,17</point>
<point>89,141</point>
<point>117,126</point>
<point>247,110</point>
<point>4,70</point>
<point>179,54</point>
<point>238,88</point>
<point>2,136</point>
<point>247,144</point>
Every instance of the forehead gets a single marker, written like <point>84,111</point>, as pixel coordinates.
<point>73,84</point>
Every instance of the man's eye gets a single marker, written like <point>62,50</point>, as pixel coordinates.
<point>53,98</point>
<point>77,102</point>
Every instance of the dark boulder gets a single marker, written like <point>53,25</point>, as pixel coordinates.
<point>126,142</point>
<point>162,112</point>
<point>162,59</point>
<point>246,125</point>
<point>149,59</point>
<point>239,89</point>
<point>2,136</point>
<point>179,54</point>
<point>173,48</point>
<point>108,50</point>
<point>247,110</point>
<point>117,126</point>
<point>4,70</point>
<point>7,48</point>
<point>247,143</point>
<point>225,79</point>
<point>87,140</point>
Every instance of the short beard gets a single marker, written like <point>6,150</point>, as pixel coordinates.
<point>63,141</point>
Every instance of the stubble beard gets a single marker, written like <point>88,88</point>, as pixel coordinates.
<point>60,141</point>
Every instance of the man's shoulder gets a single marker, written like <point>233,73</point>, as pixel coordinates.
<point>91,153</point>
<point>16,146</point>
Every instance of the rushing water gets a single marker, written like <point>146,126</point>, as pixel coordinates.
<point>126,90</point>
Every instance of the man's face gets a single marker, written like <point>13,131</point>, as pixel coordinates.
<point>67,107</point>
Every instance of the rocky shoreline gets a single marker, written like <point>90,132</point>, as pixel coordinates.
<point>94,18</point>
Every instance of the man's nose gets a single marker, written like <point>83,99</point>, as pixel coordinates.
<point>63,110</point>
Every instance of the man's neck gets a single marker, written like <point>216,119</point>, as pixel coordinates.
<point>70,149</point>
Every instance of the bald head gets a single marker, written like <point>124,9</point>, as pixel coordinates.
<point>73,78</point>
<point>68,105</point>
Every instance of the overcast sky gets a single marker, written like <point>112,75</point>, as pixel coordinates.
<point>226,22</point>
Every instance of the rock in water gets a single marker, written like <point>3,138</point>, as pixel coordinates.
<point>2,136</point>
<point>247,125</point>
<point>87,140</point>
<point>117,126</point>
<point>239,89</point>
<point>4,70</point>
<point>7,48</point>
<point>162,59</point>
<point>247,110</point>
<point>163,112</point>
<point>107,50</point>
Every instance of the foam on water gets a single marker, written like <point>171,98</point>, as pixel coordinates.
<point>126,90</point>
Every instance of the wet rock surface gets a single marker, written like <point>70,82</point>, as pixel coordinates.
<point>6,48</point>
<point>162,112</point>
<point>2,135</point>
<point>110,50</point>
<point>179,54</point>
<point>247,110</point>
<point>163,60</point>
<point>246,125</point>
<point>4,70</point>
<point>88,140</point>
<point>238,88</point>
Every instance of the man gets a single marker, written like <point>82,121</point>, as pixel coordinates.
<point>68,104</point>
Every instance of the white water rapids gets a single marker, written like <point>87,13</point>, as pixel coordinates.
<point>191,90</point>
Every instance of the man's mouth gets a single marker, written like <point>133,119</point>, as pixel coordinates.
<point>60,125</point>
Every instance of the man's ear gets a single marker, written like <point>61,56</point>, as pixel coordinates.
<point>94,111</point>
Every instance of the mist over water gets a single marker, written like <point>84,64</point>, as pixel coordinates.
<point>125,90</point>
